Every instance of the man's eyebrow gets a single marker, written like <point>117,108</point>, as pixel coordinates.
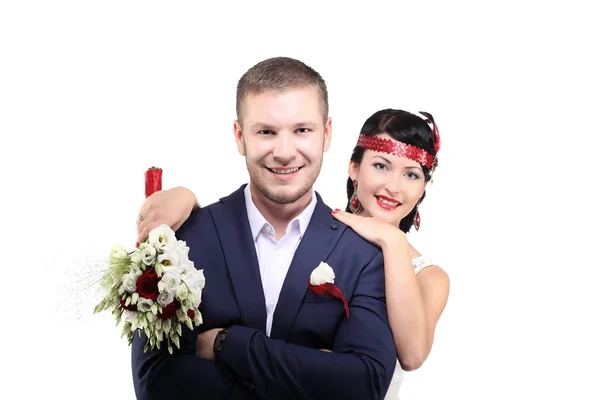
<point>305,124</point>
<point>260,126</point>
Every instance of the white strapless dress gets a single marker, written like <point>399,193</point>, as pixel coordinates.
<point>393,393</point>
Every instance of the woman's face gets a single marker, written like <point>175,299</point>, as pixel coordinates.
<point>389,186</point>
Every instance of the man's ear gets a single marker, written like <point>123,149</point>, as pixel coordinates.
<point>239,137</point>
<point>328,132</point>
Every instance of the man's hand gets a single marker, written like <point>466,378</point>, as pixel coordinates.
<point>205,342</point>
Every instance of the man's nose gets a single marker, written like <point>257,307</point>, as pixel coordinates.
<point>284,149</point>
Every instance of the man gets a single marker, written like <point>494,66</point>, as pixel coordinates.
<point>265,334</point>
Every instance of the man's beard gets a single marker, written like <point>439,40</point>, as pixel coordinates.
<point>284,195</point>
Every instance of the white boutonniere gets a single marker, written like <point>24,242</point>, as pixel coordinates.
<point>321,283</point>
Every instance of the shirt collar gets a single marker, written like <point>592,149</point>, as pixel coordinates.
<point>258,222</point>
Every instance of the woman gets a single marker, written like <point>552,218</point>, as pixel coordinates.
<point>394,158</point>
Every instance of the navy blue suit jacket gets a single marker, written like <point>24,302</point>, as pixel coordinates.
<point>288,364</point>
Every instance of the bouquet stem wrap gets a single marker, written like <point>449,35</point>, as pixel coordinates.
<point>153,183</point>
<point>153,177</point>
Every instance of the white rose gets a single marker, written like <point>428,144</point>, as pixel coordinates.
<point>165,298</point>
<point>144,305</point>
<point>169,282</point>
<point>322,274</point>
<point>194,279</point>
<point>129,281</point>
<point>148,254</point>
<point>170,262</point>
<point>186,265</point>
<point>181,249</point>
<point>162,237</point>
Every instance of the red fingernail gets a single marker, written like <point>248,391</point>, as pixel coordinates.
<point>334,211</point>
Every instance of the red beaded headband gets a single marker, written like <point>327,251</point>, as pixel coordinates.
<point>400,149</point>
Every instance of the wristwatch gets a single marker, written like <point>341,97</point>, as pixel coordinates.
<point>218,345</point>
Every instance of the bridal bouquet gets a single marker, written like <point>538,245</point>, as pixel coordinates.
<point>155,289</point>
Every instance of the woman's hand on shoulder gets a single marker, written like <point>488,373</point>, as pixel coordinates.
<point>374,230</point>
<point>172,207</point>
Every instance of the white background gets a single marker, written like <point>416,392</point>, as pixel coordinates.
<point>93,93</point>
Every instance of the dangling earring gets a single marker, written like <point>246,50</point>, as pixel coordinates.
<point>354,203</point>
<point>417,219</point>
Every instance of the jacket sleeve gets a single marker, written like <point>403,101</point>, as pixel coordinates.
<point>178,376</point>
<point>360,367</point>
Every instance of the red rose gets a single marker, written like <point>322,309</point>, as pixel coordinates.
<point>170,310</point>
<point>130,307</point>
<point>191,313</point>
<point>147,285</point>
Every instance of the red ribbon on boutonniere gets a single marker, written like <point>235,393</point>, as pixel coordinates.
<point>321,283</point>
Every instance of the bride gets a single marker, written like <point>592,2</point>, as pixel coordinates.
<point>390,166</point>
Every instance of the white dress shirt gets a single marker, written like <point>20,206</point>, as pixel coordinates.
<point>275,257</point>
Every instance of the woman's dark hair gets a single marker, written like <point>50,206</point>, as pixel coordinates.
<point>406,128</point>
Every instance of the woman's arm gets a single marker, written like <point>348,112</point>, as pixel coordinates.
<point>172,207</point>
<point>414,303</point>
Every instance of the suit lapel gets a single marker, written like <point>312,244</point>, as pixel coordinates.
<point>233,228</point>
<point>318,241</point>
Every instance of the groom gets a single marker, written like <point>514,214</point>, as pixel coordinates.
<point>265,333</point>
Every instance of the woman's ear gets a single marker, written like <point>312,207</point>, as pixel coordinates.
<point>353,170</point>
